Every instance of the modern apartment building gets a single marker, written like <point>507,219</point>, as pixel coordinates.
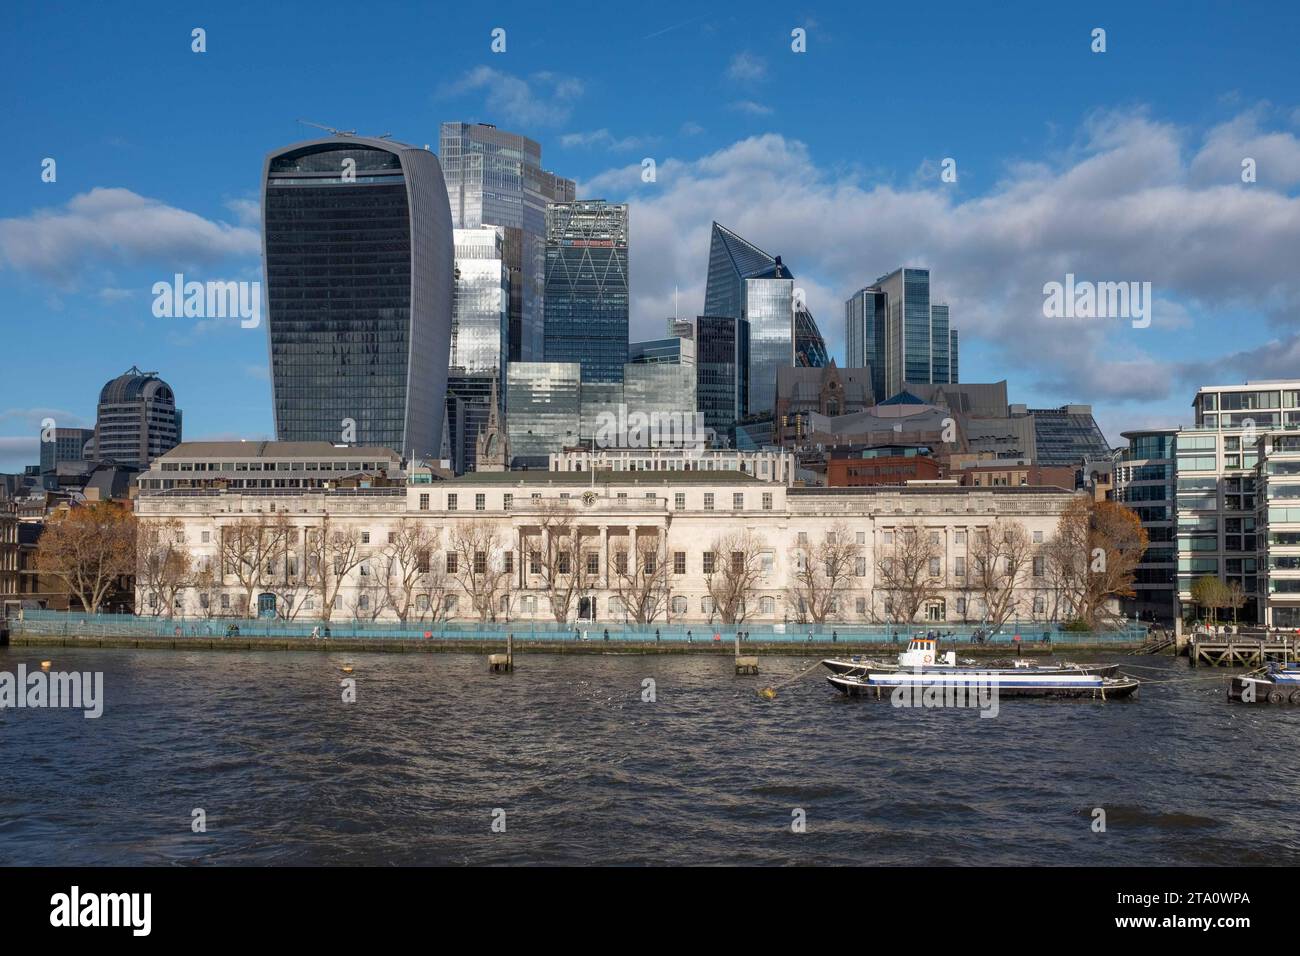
<point>136,420</point>
<point>1277,526</point>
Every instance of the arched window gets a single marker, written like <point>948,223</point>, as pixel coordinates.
<point>767,606</point>
<point>679,605</point>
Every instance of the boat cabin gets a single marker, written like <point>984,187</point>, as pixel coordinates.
<point>924,651</point>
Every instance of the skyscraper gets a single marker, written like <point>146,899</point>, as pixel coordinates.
<point>137,420</point>
<point>746,283</point>
<point>496,178</point>
<point>893,328</point>
<point>586,300</point>
<point>721,370</point>
<point>543,410</point>
<point>63,444</point>
<point>357,247</point>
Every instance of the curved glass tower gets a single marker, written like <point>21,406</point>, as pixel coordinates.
<point>357,252</point>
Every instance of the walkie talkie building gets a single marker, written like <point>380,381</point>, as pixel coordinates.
<point>357,252</point>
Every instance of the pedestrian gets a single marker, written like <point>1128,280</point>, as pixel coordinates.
<point>689,639</point>
<point>656,635</point>
<point>810,637</point>
<point>717,637</point>
<point>315,632</point>
<point>607,634</point>
<point>835,636</point>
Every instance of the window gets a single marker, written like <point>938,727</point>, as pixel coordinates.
<point>934,567</point>
<point>1040,566</point>
<point>450,604</point>
<point>205,600</point>
<point>767,501</point>
<point>365,537</point>
<point>620,562</point>
<point>935,537</point>
<point>534,562</point>
<point>509,557</point>
<point>651,563</point>
<point>889,537</point>
<point>959,567</point>
<point>860,605</point>
<point>738,501</point>
<point>803,539</point>
<point>860,567</point>
<point>1038,537</point>
<point>451,502</point>
<point>1040,604</point>
<point>708,562</point>
<point>225,602</point>
<point>862,537</point>
<point>679,501</point>
<point>507,502</point>
<point>960,537</point>
<point>593,563</point>
<point>205,536</point>
<point>679,562</point>
<point>565,564</point>
<point>363,603</point>
<point>480,562</point>
<point>392,537</point>
<point>616,605</point>
<point>679,605</point>
<point>424,502</point>
<point>961,605</point>
<point>480,502</point>
<point>766,605</point>
<point>706,605</point>
<point>452,563</point>
<point>422,561</point>
<point>708,501</point>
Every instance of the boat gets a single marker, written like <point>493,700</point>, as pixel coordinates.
<point>923,653</point>
<point>1278,684</point>
<point>1006,684</point>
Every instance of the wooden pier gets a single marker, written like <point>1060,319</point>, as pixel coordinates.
<point>1241,652</point>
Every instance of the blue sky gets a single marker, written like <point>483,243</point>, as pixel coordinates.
<point>1116,166</point>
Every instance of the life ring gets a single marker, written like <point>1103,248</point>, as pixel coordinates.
<point>926,659</point>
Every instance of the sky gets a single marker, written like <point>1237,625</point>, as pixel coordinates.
<point>1124,165</point>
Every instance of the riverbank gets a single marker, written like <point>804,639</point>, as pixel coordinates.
<point>569,645</point>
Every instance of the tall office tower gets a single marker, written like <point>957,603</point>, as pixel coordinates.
<point>543,410</point>
<point>496,178</point>
<point>665,389</point>
<point>63,444</point>
<point>952,356</point>
<point>479,339</point>
<point>918,338</point>
<point>674,350</point>
<point>745,282</point>
<point>586,300</point>
<point>864,336</point>
<point>137,420</point>
<point>357,250</point>
<point>721,370</point>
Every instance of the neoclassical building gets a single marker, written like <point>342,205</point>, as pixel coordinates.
<point>547,546</point>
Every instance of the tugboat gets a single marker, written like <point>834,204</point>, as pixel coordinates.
<point>1280,683</point>
<point>923,653</point>
<point>1007,683</point>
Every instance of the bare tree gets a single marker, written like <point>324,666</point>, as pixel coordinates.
<point>1093,558</point>
<point>733,569</point>
<point>405,568</point>
<point>163,564</point>
<point>250,547</point>
<point>90,548</point>
<point>822,573</point>
<point>904,571</point>
<point>560,549</point>
<point>999,556</point>
<point>207,584</point>
<point>332,555</point>
<point>479,567</point>
<point>641,577</point>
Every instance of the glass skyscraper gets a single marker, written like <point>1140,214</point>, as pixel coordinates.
<point>893,328</point>
<point>543,410</point>
<point>586,298</point>
<point>745,282</point>
<point>357,252</point>
<point>721,370</point>
<point>496,178</point>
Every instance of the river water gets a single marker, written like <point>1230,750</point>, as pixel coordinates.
<point>582,770</point>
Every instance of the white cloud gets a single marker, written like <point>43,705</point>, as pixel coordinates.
<point>1122,206</point>
<point>112,226</point>
<point>604,139</point>
<point>750,107</point>
<point>745,67</point>
<point>1276,154</point>
<point>544,99</point>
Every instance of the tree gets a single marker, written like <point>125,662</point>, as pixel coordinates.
<point>641,577</point>
<point>89,548</point>
<point>163,566</point>
<point>904,572</point>
<point>733,569</point>
<point>561,543</point>
<point>1210,594</point>
<point>406,570</point>
<point>479,568</point>
<point>998,557</point>
<point>250,547</point>
<point>1093,559</point>
<point>332,555</point>
<point>822,573</point>
<point>1236,598</point>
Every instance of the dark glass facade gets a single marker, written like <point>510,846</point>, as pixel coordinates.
<point>358,260</point>
<point>864,335</point>
<point>721,370</point>
<point>586,300</point>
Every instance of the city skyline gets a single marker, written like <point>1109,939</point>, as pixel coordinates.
<point>1051,187</point>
